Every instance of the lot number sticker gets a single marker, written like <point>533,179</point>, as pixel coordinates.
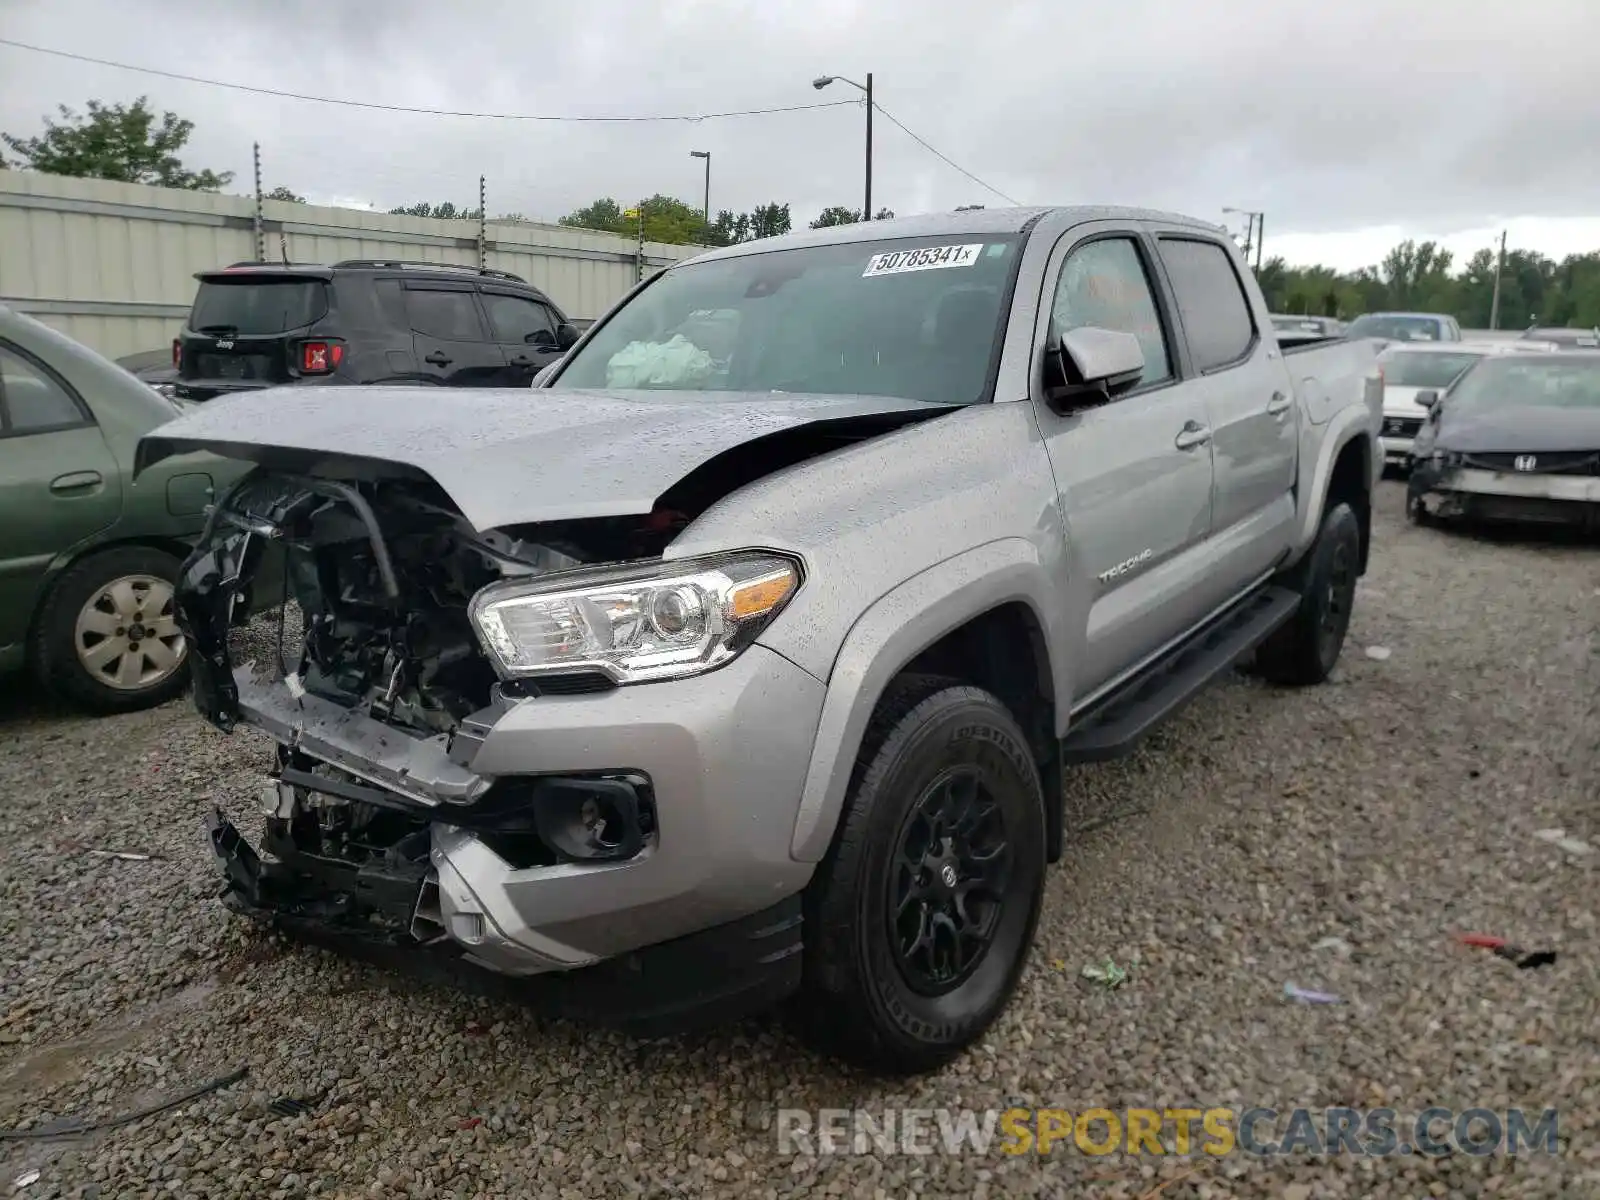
<point>928,258</point>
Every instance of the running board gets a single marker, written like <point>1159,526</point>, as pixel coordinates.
<point>1115,726</point>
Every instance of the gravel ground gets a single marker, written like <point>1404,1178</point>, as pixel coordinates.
<point>1384,810</point>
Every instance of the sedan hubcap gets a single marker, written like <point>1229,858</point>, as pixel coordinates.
<point>127,635</point>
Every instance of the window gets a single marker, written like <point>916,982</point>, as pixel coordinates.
<point>1105,284</point>
<point>1211,302</point>
<point>450,316</point>
<point>258,306</point>
<point>514,318</point>
<point>1424,369</point>
<point>34,400</point>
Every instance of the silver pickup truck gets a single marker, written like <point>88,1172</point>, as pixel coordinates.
<point>745,656</point>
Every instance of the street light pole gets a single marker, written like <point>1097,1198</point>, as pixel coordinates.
<point>866,212</point>
<point>822,81</point>
<point>706,212</point>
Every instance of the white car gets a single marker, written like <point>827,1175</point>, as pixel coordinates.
<point>1410,368</point>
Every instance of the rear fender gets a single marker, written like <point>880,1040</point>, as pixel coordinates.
<point>1352,424</point>
<point>892,632</point>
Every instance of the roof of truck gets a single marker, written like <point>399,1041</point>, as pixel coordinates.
<point>974,222</point>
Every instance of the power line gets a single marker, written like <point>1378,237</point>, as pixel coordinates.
<point>430,112</point>
<point>944,158</point>
<point>444,112</point>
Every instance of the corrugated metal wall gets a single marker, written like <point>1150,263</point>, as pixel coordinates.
<point>112,264</point>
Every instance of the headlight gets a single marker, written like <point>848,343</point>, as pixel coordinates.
<point>664,621</point>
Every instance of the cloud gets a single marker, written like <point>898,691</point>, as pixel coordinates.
<point>1428,119</point>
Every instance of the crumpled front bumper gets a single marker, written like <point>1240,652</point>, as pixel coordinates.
<point>725,755</point>
<point>1450,490</point>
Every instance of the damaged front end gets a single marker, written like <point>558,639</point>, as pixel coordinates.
<point>1558,489</point>
<point>378,698</point>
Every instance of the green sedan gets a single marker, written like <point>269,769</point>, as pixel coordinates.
<point>88,556</point>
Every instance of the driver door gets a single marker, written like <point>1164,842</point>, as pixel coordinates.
<point>1134,475</point>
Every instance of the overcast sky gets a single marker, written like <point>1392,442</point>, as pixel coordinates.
<point>1350,123</point>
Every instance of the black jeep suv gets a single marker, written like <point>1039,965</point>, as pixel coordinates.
<point>256,325</point>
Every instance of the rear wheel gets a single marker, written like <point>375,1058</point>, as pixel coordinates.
<point>1305,649</point>
<point>107,638</point>
<point>920,916</point>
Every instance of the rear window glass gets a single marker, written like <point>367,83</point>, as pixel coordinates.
<point>449,315</point>
<point>258,306</point>
<point>1211,302</point>
<point>1420,370</point>
<point>1400,329</point>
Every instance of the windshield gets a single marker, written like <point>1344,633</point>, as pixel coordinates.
<point>1501,383</point>
<point>1418,369</point>
<point>918,320</point>
<point>1400,329</point>
<point>258,306</point>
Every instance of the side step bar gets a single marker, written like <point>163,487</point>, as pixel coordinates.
<point>1115,726</point>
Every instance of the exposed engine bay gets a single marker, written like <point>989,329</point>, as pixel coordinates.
<point>381,574</point>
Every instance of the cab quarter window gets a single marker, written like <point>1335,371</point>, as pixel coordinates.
<point>1104,284</point>
<point>1211,302</point>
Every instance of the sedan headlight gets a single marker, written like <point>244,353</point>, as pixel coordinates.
<point>664,621</point>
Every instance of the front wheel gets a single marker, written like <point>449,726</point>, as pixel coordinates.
<point>107,638</point>
<point>920,916</point>
<point>1305,649</point>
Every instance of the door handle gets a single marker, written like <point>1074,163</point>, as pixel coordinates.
<point>522,360</point>
<point>1278,405</point>
<point>1191,435</point>
<point>439,359</point>
<point>75,481</point>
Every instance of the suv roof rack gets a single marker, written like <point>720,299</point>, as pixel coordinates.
<point>416,264</point>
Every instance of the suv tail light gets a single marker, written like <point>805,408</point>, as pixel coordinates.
<point>320,358</point>
<point>177,353</point>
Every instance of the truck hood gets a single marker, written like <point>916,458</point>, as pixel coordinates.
<point>1530,428</point>
<point>509,456</point>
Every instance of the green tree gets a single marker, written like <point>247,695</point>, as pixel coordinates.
<point>604,214</point>
<point>838,214</point>
<point>121,142</point>
<point>439,212</point>
<point>282,193</point>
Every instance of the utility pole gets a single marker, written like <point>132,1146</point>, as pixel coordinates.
<point>638,253</point>
<point>483,225</point>
<point>1499,269</point>
<point>261,241</point>
<point>866,213</point>
<point>1254,233</point>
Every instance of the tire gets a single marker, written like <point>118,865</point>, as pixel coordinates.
<point>861,998</point>
<point>1304,649</point>
<point>82,651</point>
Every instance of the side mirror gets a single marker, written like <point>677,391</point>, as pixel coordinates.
<point>567,335</point>
<point>1097,365</point>
<point>1428,399</point>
